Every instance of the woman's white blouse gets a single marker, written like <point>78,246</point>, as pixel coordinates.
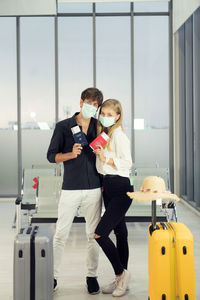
<point>120,153</point>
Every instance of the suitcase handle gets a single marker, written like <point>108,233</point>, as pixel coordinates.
<point>153,210</point>
<point>31,230</point>
<point>18,200</point>
<point>153,226</point>
<point>163,225</point>
<point>152,229</point>
<point>18,213</point>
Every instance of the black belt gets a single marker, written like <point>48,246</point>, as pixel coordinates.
<point>109,176</point>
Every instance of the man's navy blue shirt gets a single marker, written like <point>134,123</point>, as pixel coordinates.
<point>79,173</point>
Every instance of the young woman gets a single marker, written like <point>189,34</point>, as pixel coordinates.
<point>113,162</point>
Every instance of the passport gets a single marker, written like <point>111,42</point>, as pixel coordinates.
<point>79,136</point>
<point>100,140</point>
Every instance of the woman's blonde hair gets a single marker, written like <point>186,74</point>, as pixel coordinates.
<point>116,106</point>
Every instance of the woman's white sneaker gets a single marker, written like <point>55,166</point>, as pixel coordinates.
<point>122,284</point>
<point>109,289</point>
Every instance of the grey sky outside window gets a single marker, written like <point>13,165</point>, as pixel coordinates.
<point>75,7</point>
<point>152,6</point>
<point>8,116</point>
<point>151,71</point>
<point>8,112</point>
<point>37,87</point>
<point>75,62</point>
<point>37,72</point>
<point>151,89</point>
<point>113,61</point>
<point>112,7</point>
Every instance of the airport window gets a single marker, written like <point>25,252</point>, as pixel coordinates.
<point>112,7</point>
<point>102,49</point>
<point>8,112</point>
<point>151,89</point>
<point>74,7</point>
<point>189,92</point>
<point>113,62</point>
<point>75,62</point>
<point>37,87</point>
<point>151,6</point>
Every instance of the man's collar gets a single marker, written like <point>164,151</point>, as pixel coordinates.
<point>74,123</point>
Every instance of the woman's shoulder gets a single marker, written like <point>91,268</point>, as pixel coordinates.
<point>118,130</point>
<point>119,133</point>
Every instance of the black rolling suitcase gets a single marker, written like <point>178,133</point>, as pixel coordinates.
<point>33,264</point>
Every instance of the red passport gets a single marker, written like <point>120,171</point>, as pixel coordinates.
<point>100,140</point>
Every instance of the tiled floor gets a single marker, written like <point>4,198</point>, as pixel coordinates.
<point>72,280</point>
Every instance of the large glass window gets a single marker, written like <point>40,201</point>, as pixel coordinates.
<point>75,7</point>
<point>112,7</point>
<point>37,87</point>
<point>189,93</point>
<point>113,62</point>
<point>75,62</point>
<point>92,49</point>
<point>151,89</point>
<point>152,6</point>
<point>8,112</point>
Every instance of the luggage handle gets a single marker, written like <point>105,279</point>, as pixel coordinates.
<point>31,230</point>
<point>163,225</point>
<point>18,202</point>
<point>153,226</point>
<point>153,211</point>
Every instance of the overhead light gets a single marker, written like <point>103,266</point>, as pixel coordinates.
<point>138,123</point>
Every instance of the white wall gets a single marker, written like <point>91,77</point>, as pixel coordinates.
<point>182,10</point>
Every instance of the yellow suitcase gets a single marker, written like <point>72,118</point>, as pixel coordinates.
<point>171,261</point>
<point>162,283</point>
<point>184,261</point>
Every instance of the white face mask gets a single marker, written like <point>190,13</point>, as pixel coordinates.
<point>107,121</point>
<point>88,111</point>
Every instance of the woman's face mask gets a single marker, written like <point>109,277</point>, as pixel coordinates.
<point>107,121</point>
<point>88,111</point>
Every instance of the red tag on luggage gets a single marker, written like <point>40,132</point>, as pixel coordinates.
<point>35,185</point>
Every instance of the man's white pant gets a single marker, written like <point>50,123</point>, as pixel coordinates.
<point>91,202</point>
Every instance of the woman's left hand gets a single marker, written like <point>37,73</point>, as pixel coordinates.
<point>100,153</point>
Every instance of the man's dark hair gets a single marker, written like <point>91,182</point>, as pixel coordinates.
<point>93,94</point>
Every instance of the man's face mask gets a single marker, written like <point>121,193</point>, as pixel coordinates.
<point>88,111</point>
<point>107,121</point>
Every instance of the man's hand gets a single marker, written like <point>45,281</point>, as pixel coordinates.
<point>76,150</point>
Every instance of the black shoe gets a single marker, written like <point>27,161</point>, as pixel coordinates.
<point>92,285</point>
<point>55,284</point>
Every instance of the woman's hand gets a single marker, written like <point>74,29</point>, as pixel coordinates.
<point>100,153</point>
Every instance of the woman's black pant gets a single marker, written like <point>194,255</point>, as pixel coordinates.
<point>116,204</point>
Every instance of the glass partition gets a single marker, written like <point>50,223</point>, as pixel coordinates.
<point>37,88</point>
<point>8,112</point>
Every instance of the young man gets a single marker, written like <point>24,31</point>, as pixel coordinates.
<point>81,182</point>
